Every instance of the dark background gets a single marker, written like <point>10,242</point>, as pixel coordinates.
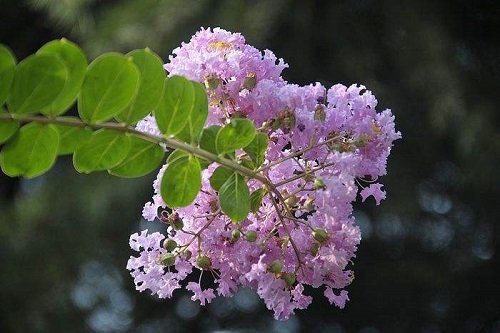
<point>429,258</point>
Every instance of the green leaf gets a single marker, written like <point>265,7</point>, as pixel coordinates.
<point>208,136</point>
<point>257,148</point>
<point>38,80</point>
<point>108,88</point>
<point>144,156</point>
<point>7,69</point>
<point>31,152</point>
<point>234,198</point>
<point>237,134</point>
<point>175,106</point>
<point>7,128</point>
<point>72,138</point>
<point>150,88</point>
<point>76,65</point>
<point>176,154</point>
<point>181,181</point>
<point>191,132</point>
<point>256,199</point>
<point>105,150</point>
<point>219,177</point>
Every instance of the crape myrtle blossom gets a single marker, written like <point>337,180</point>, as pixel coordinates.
<point>326,145</point>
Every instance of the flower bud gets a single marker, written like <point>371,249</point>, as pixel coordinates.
<point>320,235</point>
<point>251,236</point>
<point>314,249</point>
<point>235,235</point>
<point>167,259</point>
<point>169,245</point>
<point>289,278</point>
<point>275,267</point>
<point>211,82</point>
<point>187,254</point>
<point>319,184</point>
<point>309,204</point>
<point>204,262</point>
<point>319,113</point>
<point>291,201</point>
<point>250,81</point>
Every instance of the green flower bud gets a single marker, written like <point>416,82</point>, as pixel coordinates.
<point>212,82</point>
<point>320,235</point>
<point>187,254</point>
<point>319,113</point>
<point>314,249</point>
<point>250,81</point>
<point>235,235</point>
<point>291,201</point>
<point>275,267</point>
<point>169,245</point>
<point>178,224</point>
<point>167,259</point>
<point>251,236</point>
<point>289,278</point>
<point>309,204</point>
<point>319,184</point>
<point>204,262</point>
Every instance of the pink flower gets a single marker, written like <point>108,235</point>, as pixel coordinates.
<point>374,190</point>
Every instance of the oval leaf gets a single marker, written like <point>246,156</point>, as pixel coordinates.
<point>7,127</point>
<point>175,106</point>
<point>234,198</point>
<point>7,69</point>
<point>256,199</point>
<point>108,88</point>
<point>181,182</point>
<point>191,132</point>
<point>257,148</point>
<point>38,80</point>
<point>105,150</point>
<point>76,65</point>
<point>72,138</point>
<point>31,152</point>
<point>219,177</point>
<point>176,154</point>
<point>144,156</point>
<point>208,137</point>
<point>150,88</point>
<point>237,134</point>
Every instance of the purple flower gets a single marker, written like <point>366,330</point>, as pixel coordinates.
<point>327,141</point>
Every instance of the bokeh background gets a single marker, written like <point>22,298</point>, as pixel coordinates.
<point>429,260</point>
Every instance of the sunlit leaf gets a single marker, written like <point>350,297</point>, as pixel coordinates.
<point>143,157</point>
<point>176,154</point>
<point>219,177</point>
<point>150,88</point>
<point>181,181</point>
<point>38,80</point>
<point>237,134</point>
<point>105,150</point>
<point>208,137</point>
<point>234,197</point>
<point>31,152</point>
<point>72,138</point>
<point>76,65</point>
<point>256,199</point>
<point>108,88</point>
<point>7,128</point>
<point>175,106</point>
<point>191,132</point>
<point>7,69</point>
<point>257,148</point>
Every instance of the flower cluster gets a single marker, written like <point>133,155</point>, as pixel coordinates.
<point>325,146</point>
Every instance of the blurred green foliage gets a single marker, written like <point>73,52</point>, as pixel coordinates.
<point>429,257</point>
